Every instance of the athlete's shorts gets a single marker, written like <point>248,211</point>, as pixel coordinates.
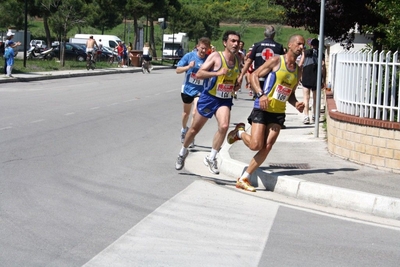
<point>89,50</point>
<point>147,57</point>
<point>265,117</point>
<point>207,104</point>
<point>310,87</point>
<point>187,99</point>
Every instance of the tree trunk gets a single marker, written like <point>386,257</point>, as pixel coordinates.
<point>136,31</point>
<point>47,30</point>
<point>152,40</point>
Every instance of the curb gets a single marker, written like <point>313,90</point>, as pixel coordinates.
<point>326,195</point>
<point>39,76</point>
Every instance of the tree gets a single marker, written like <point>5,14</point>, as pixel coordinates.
<point>388,27</point>
<point>137,9</point>
<point>11,15</point>
<point>106,14</point>
<point>197,23</point>
<point>66,14</point>
<point>340,16</point>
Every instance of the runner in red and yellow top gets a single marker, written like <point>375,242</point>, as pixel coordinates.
<point>281,75</point>
<point>220,71</point>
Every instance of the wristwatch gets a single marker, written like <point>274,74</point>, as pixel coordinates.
<point>259,94</point>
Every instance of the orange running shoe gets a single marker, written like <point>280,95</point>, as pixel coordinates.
<point>232,135</point>
<point>245,185</point>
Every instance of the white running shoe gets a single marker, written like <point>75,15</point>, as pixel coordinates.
<point>212,165</point>
<point>180,161</point>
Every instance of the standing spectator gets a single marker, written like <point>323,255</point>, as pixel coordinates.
<point>130,47</point>
<point>124,55</point>
<point>268,115</point>
<point>120,51</point>
<point>241,49</point>
<point>221,71</point>
<point>309,78</point>
<point>262,51</point>
<point>192,86</point>
<point>9,43</point>
<point>178,55</point>
<point>241,54</point>
<point>179,52</point>
<point>99,50</point>
<point>9,53</point>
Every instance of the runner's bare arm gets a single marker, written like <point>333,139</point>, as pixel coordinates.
<point>262,71</point>
<point>212,67</point>
<point>185,68</point>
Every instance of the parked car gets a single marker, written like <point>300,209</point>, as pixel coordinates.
<point>106,52</point>
<point>72,52</point>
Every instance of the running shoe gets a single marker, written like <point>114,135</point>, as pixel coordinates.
<point>245,185</point>
<point>183,134</point>
<point>306,120</point>
<point>211,164</point>
<point>180,162</point>
<point>232,135</point>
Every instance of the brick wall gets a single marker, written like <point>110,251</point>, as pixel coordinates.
<point>366,141</point>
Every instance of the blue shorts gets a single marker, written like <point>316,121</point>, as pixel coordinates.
<point>207,104</point>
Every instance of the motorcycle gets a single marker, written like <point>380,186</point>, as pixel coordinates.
<point>38,53</point>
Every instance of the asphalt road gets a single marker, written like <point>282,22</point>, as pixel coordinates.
<point>87,178</point>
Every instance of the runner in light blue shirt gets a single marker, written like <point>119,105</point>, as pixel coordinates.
<point>192,87</point>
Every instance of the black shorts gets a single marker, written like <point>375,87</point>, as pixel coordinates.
<point>264,117</point>
<point>187,99</point>
<point>312,88</point>
<point>147,57</point>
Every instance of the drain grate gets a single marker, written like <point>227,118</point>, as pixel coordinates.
<point>302,166</point>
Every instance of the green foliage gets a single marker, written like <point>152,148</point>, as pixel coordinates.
<point>389,25</point>
<point>11,15</point>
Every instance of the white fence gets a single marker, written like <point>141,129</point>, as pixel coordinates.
<point>367,84</point>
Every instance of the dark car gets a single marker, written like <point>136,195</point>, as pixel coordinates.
<point>72,52</point>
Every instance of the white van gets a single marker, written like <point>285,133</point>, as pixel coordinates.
<point>106,40</point>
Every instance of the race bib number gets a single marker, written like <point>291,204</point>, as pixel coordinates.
<point>282,93</point>
<point>193,79</point>
<point>225,90</point>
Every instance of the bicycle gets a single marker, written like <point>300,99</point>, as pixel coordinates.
<point>112,58</point>
<point>146,65</point>
<point>90,62</point>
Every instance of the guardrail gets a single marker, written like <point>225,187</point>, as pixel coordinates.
<point>367,84</point>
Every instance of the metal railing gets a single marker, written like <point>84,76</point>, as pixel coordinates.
<point>367,84</point>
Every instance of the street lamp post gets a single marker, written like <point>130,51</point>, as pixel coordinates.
<point>25,31</point>
<point>163,26</point>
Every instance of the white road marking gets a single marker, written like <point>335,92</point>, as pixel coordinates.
<point>203,225</point>
<point>37,121</point>
<point>6,128</point>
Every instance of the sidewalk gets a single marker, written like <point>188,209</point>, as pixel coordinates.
<point>300,166</point>
<point>47,75</point>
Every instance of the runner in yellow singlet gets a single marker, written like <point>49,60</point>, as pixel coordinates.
<point>220,71</point>
<point>268,115</point>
